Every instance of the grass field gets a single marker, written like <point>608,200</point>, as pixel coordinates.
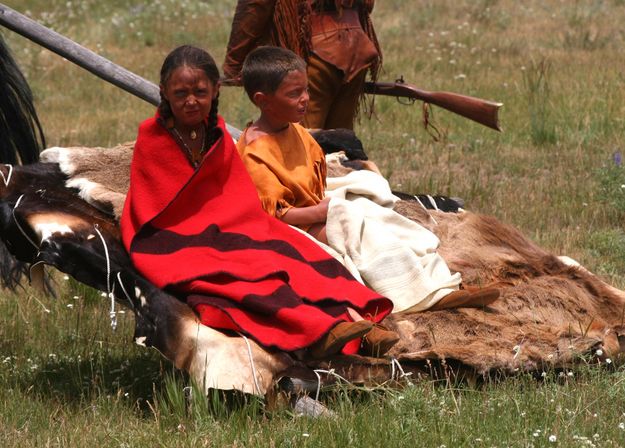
<point>67,379</point>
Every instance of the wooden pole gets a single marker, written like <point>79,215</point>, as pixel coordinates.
<point>79,55</point>
<point>85,58</point>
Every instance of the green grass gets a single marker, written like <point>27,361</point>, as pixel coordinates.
<point>67,379</point>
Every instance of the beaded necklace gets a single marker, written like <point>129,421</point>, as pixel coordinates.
<point>194,162</point>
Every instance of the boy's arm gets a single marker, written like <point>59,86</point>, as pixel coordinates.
<point>297,216</point>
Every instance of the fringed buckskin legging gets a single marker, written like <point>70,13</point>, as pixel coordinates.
<point>333,103</point>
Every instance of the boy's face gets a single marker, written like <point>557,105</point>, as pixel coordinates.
<point>190,94</point>
<point>290,101</point>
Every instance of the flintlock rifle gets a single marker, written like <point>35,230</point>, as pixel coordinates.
<point>482,111</point>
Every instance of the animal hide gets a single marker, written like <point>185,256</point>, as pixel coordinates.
<point>551,312</point>
<point>101,176</point>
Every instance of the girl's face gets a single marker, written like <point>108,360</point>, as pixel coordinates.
<point>290,101</point>
<point>190,94</point>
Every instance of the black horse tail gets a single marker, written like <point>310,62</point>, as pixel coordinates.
<point>21,135</point>
<point>11,270</point>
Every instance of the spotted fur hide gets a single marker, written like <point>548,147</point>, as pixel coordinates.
<point>552,312</point>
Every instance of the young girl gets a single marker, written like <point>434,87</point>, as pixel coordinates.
<point>193,225</point>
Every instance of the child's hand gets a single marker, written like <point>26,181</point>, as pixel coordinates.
<point>322,209</point>
<point>314,214</point>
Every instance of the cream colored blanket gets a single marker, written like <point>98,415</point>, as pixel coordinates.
<point>393,255</point>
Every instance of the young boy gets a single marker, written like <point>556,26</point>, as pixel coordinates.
<point>288,168</point>
<point>285,162</point>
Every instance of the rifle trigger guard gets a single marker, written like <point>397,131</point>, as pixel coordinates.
<point>405,101</point>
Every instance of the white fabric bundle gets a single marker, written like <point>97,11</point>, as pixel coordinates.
<point>391,254</point>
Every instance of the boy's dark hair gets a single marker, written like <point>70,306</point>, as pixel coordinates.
<point>265,68</point>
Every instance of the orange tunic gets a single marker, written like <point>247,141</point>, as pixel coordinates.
<point>288,168</point>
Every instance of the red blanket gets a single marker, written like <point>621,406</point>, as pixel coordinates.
<point>203,235</point>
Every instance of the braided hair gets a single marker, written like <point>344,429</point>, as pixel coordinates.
<point>193,57</point>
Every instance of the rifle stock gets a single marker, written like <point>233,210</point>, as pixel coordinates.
<point>476,109</point>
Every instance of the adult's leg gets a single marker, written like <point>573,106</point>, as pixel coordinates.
<point>324,83</point>
<point>345,103</point>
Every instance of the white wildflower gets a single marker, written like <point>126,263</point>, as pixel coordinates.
<point>608,361</point>
<point>552,438</point>
<point>621,426</point>
<point>599,352</point>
